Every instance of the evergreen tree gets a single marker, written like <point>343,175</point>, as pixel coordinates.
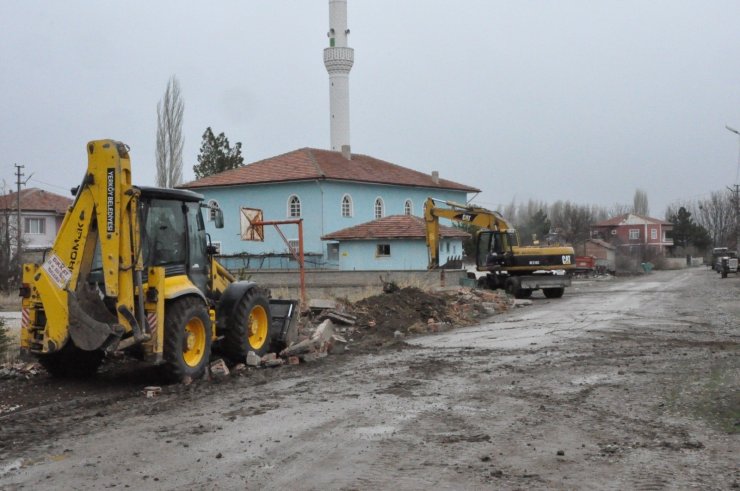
<point>686,233</point>
<point>216,155</point>
<point>537,226</point>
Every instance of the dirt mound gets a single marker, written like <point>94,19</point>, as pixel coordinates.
<point>384,320</point>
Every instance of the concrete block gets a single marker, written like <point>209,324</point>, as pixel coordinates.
<point>269,357</point>
<point>253,359</point>
<point>293,360</point>
<point>274,362</point>
<point>322,304</point>
<point>219,368</point>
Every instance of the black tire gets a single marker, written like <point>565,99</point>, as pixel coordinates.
<point>71,362</point>
<point>512,286</point>
<point>524,293</point>
<point>187,338</point>
<point>251,315</point>
<point>553,292</point>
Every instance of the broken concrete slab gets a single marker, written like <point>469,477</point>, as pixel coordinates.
<point>324,332</point>
<point>305,346</point>
<point>337,345</point>
<point>322,304</point>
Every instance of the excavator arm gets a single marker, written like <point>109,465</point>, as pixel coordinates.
<point>456,212</point>
<point>104,212</point>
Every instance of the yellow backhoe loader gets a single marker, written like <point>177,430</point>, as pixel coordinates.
<point>132,269</point>
<point>520,270</point>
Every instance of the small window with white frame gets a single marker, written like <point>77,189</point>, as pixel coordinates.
<point>294,206</point>
<point>654,234</point>
<point>34,226</point>
<point>293,246</point>
<point>383,250</point>
<point>408,207</point>
<point>634,233</point>
<point>347,205</point>
<point>212,207</point>
<point>216,244</point>
<point>379,208</point>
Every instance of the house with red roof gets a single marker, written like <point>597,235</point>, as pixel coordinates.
<point>630,231</point>
<point>42,213</point>
<point>396,242</point>
<point>330,191</point>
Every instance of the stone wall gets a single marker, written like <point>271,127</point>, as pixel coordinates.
<point>353,285</point>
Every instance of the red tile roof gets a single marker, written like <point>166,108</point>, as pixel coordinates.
<point>393,227</point>
<point>311,163</point>
<point>629,219</point>
<point>35,199</point>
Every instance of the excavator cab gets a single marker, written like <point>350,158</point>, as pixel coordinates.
<point>494,249</point>
<point>173,234</point>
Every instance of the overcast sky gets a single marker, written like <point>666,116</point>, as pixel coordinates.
<point>551,100</point>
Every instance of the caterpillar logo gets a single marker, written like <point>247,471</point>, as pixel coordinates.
<point>566,259</point>
<point>110,191</point>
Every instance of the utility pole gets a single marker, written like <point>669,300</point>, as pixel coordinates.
<point>19,231</point>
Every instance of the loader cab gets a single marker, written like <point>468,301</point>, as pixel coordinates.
<point>493,249</point>
<point>173,233</point>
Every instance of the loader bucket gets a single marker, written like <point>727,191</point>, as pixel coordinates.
<point>284,314</point>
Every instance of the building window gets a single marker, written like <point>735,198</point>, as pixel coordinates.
<point>379,208</point>
<point>294,206</point>
<point>36,226</point>
<point>634,233</point>
<point>332,252</point>
<point>212,207</point>
<point>654,233</point>
<point>216,244</point>
<point>447,247</point>
<point>383,250</point>
<point>293,249</point>
<point>346,205</point>
<point>408,207</point>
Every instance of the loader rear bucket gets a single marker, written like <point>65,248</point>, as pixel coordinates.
<point>284,315</point>
<point>86,332</point>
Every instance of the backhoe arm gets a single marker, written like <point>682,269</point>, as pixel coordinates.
<point>104,211</point>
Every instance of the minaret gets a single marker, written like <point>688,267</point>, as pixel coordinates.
<point>338,60</point>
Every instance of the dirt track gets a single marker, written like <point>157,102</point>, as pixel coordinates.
<point>623,384</point>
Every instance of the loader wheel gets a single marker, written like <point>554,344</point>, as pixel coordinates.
<point>187,338</point>
<point>71,362</point>
<point>250,328</point>
<point>553,292</point>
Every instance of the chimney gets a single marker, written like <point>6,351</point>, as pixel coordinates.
<point>435,177</point>
<point>346,152</point>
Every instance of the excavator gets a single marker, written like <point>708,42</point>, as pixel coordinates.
<point>132,270</point>
<point>519,270</point>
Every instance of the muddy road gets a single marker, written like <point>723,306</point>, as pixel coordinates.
<point>622,384</point>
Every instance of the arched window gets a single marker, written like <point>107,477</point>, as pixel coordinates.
<point>212,207</point>
<point>408,207</point>
<point>379,208</point>
<point>294,206</point>
<point>346,205</point>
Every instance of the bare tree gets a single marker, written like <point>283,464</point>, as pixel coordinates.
<point>717,215</point>
<point>169,136</point>
<point>640,203</point>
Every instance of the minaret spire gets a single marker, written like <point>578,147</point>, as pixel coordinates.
<point>338,60</point>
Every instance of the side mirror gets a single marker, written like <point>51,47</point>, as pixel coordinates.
<point>218,218</point>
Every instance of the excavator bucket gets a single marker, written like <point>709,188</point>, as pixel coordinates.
<point>86,332</point>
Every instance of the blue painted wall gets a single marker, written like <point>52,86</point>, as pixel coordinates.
<point>321,210</point>
<point>362,255</point>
